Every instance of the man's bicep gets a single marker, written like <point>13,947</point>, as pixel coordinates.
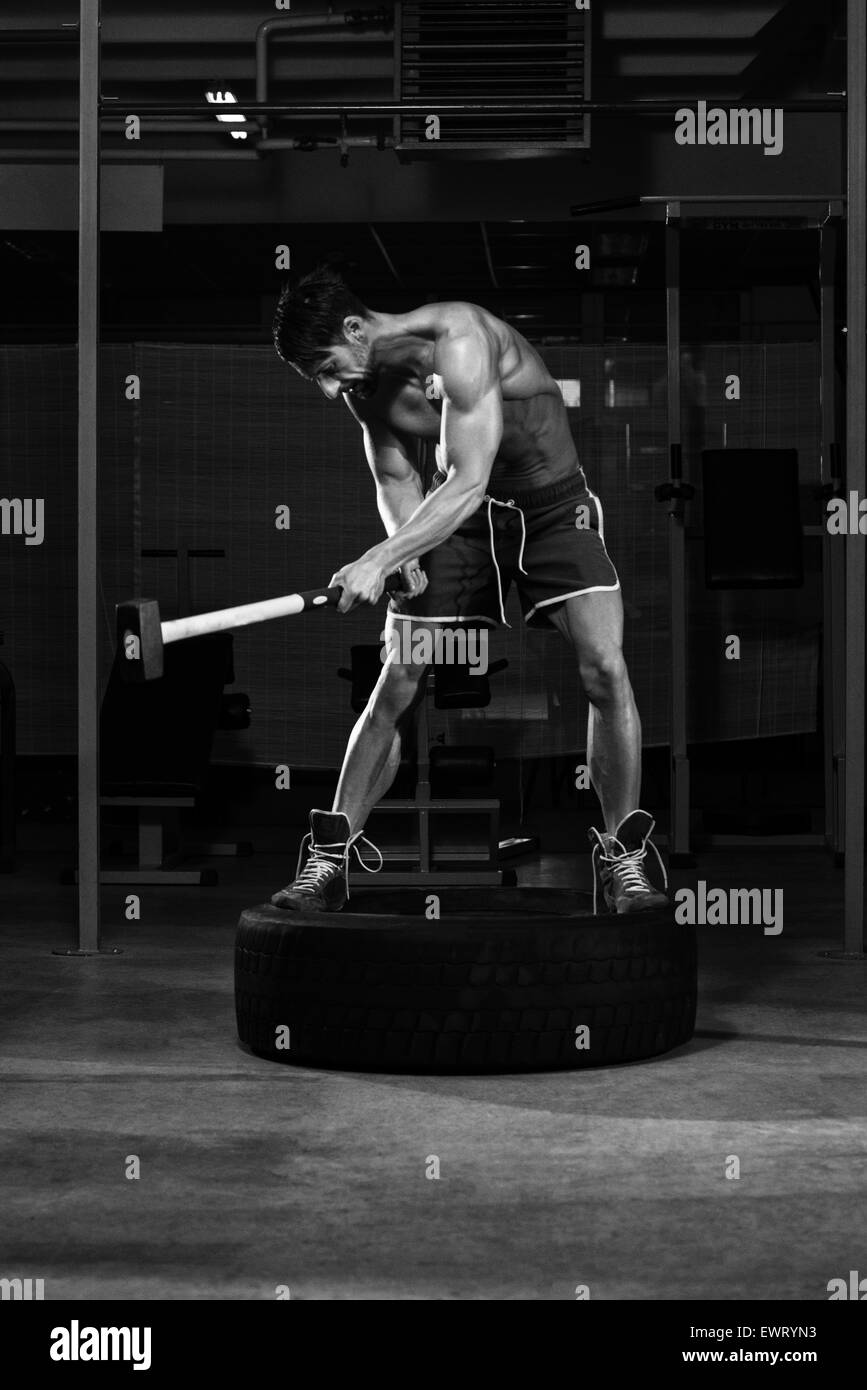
<point>472,419</point>
<point>471,438</point>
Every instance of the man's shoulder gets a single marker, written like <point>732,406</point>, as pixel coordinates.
<point>454,318</point>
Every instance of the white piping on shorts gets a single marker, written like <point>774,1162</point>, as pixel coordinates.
<point>470,618</point>
<point>594,588</point>
<point>576,593</point>
<point>494,501</point>
<point>601,518</point>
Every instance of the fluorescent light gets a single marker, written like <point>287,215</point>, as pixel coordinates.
<point>227,98</point>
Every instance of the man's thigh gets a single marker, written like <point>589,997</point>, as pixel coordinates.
<point>415,644</point>
<point>593,623</point>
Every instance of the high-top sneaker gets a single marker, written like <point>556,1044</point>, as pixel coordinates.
<point>323,883</point>
<point>619,877</point>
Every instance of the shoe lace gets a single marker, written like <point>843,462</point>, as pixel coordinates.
<point>323,860</point>
<point>627,864</point>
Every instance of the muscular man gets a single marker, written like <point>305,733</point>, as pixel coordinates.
<point>509,501</point>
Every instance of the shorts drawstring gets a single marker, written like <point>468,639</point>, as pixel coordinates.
<point>491,501</point>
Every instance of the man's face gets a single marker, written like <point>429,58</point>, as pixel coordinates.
<point>346,369</point>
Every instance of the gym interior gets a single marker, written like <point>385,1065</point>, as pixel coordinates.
<point>697,290</point>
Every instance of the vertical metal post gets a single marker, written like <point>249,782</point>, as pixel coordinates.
<point>88,418</point>
<point>856,475</point>
<point>422,787</point>
<point>7,770</point>
<point>679,833</point>
<point>833,560</point>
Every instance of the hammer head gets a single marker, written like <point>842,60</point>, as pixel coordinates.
<point>140,640</point>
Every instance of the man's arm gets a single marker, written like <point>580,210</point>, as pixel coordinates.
<point>398,490</point>
<point>398,485</point>
<point>472,427</point>
<point>466,361</point>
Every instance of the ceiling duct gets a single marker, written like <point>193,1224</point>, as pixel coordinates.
<point>512,51</point>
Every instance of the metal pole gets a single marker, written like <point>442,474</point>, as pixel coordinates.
<point>833,559</point>
<point>623,204</point>
<point>679,833</point>
<point>116,125</point>
<point>687,198</point>
<point>88,418</point>
<point>151,156</point>
<point>856,475</point>
<point>533,105</point>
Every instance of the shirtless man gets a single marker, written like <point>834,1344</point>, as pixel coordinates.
<point>509,502</point>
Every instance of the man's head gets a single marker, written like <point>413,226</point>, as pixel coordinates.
<point>323,330</point>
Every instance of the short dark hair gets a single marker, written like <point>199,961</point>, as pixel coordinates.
<point>309,318</point>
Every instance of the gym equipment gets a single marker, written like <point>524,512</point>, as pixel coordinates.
<point>477,853</point>
<point>741,490</point>
<point>155,748</point>
<point>142,636</point>
<point>505,980</point>
<point>471,767</point>
<point>774,559</point>
<point>183,554</point>
<point>365,671</point>
<point>7,769</point>
<point>504,41</point>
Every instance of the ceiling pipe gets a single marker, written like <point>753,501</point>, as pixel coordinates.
<point>108,126</point>
<point>67,33</point>
<point>526,105</point>
<point>307,144</point>
<point>331,142</point>
<point>119,156</point>
<point>619,204</point>
<point>352,19</point>
<point>281,23</point>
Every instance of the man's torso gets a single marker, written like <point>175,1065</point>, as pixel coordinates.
<point>536,448</point>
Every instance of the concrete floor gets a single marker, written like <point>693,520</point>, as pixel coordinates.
<point>255,1175</point>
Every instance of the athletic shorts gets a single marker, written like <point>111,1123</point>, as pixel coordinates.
<point>549,541</point>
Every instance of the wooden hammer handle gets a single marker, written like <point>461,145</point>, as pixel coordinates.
<point>225,619</point>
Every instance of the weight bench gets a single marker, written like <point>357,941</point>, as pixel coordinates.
<point>454,688</point>
<point>155,748</point>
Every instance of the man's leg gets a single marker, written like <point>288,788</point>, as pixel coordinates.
<point>373,753</point>
<point>369,768</point>
<point>593,624</point>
